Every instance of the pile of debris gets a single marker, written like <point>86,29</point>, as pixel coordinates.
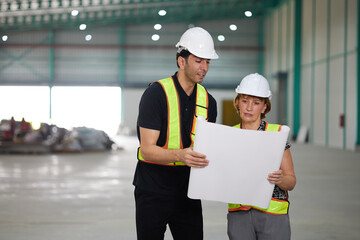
<point>20,137</point>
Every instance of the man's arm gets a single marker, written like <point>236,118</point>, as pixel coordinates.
<point>151,152</point>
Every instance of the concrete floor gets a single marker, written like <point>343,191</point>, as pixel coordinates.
<point>89,196</point>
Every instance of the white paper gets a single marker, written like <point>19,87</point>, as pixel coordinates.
<point>239,164</point>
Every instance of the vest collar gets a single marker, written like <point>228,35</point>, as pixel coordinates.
<point>262,126</point>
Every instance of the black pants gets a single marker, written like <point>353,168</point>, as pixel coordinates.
<point>154,212</point>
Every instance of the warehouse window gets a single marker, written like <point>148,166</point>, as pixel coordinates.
<point>31,103</point>
<point>94,107</point>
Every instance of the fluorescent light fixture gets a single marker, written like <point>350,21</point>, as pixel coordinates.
<point>233,27</point>
<point>155,37</point>
<point>221,38</point>
<point>157,26</point>
<point>74,13</point>
<point>162,12</point>
<point>82,27</point>
<point>248,13</point>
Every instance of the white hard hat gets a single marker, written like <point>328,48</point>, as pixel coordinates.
<point>198,42</point>
<point>254,85</point>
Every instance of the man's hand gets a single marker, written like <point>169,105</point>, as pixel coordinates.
<point>193,159</point>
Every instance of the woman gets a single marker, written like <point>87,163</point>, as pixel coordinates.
<point>252,103</point>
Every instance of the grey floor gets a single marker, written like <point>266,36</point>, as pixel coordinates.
<point>89,196</point>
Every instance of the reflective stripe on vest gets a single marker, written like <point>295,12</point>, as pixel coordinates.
<point>276,206</point>
<point>201,108</point>
<point>268,127</point>
<point>173,139</point>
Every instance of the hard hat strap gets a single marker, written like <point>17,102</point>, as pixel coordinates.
<point>180,49</point>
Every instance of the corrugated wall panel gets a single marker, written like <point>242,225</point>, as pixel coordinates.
<point>336,102</point>
<point>319,103</point>
<point>268,33</point>
<point>141,35</point>
<point>32,37</point>
<point>247,32</point>
<point>275,44</point>
<point>290,99</point>
<point>328,46</point>
<point>103,36</point>
<point>279,57</point>
<point>148,65</point>
<point>351,74</point>
<point>232,67</point>
<point>337,27</point>
<point>115,55</point>
<point>26,66</point>
<point>352,25</point>
<point>284,35</point>
<point>306,32</point>
<point>290,39</point>
<point>320,30</point>
<point>332,43</point>
<point>238,54</point>
<point>305,97</point>
<point>86,66</point>
<point>351,94</point>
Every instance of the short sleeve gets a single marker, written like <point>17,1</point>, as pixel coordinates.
<point>152,107</point>
<point>287,145</point>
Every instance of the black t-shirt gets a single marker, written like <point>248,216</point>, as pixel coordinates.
<point>170,180</point>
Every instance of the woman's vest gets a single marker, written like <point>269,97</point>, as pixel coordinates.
<point>173,138</point>
<point>276,206</point>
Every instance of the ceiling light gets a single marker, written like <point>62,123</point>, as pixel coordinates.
<point>155,37</point>
<point>82,27</point>
<point>157,26</point>
<point>74,13</point>
<point>162,12</point>
<point>221,38</point>
<point>233,27</point>
<point>88,37</point>
<point>4,38</point>
<point>248,13</point>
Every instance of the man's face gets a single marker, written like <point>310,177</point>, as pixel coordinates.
<point>196,68</point>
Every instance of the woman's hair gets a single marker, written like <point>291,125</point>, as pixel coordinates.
<point>266,101</point>
<point>183,53</point>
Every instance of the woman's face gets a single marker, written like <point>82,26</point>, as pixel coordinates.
<point>250,108</point>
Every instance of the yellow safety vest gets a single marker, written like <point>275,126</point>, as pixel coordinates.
<point>173,139</point>
<point>277,206</point>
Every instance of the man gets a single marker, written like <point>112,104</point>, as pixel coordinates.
<point>166,129</point>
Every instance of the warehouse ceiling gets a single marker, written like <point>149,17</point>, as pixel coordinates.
<point>23,15</point>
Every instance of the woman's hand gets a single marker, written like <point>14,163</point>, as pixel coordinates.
<point>276,177</point>
<point>284,177</point>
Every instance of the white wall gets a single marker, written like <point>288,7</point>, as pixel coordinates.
<point>279,47</point>
<point>131,98</point>
<point>328,66</point>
